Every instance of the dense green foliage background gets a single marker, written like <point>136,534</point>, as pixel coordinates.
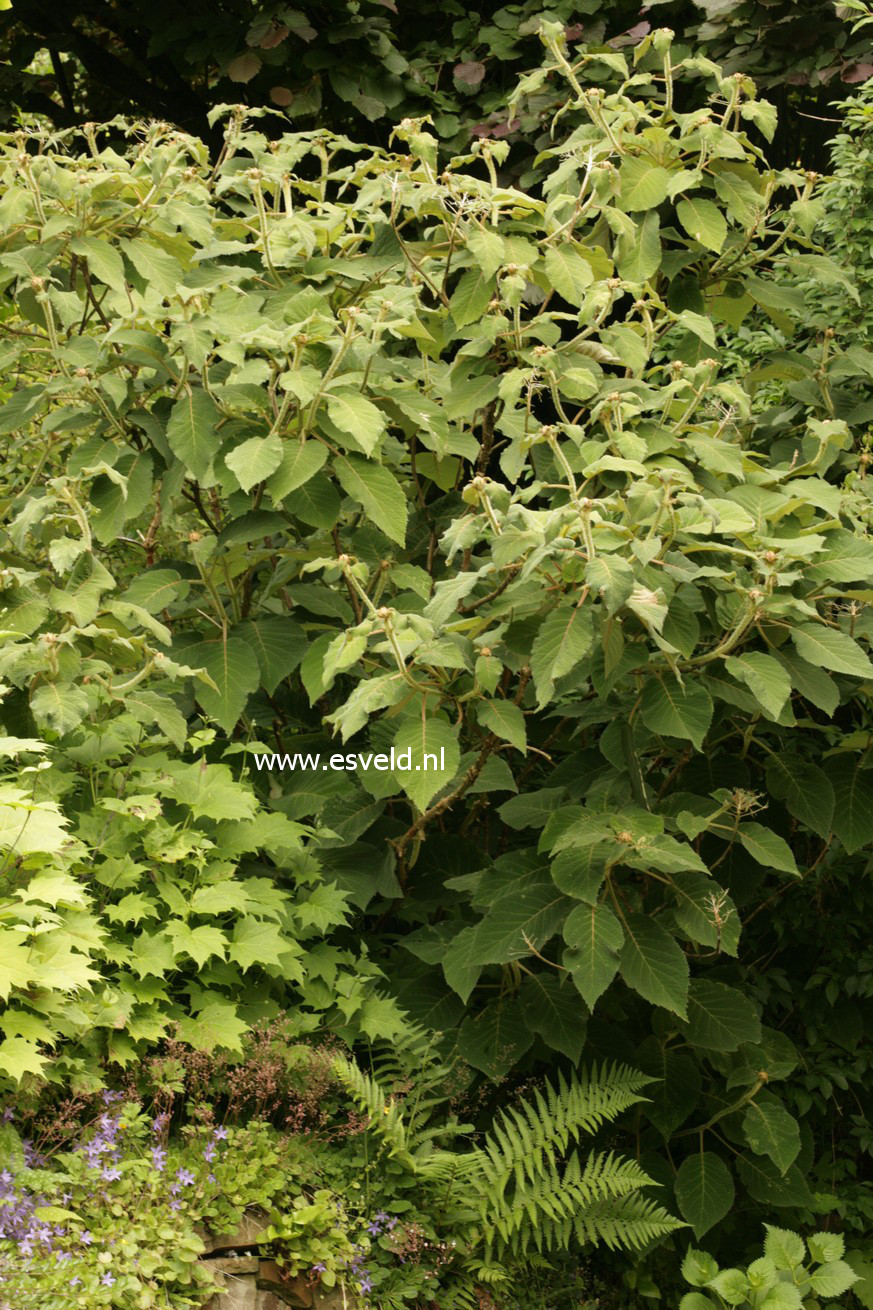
<point>550,454</point>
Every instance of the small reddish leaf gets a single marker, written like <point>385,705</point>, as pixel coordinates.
<point>275,35</point>
<point>857,72</point>
<point>495,127</point>
<point>244,67</point>
<point>281,95</point>
<point>303,31</point>
<point>470,73</point>
<point>631,37</point>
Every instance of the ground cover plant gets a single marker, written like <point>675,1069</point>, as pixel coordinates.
<point>557,475</point>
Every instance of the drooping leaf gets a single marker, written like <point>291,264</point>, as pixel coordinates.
<point>828,649</point>
<point>563,640</point>
<point>767,847</point>
<point>853,800</point>
<point>300,462</point>
<point>494,1039</point>
<point>568,272</point>
<point>677,711</point>
<point>805,789</point>
<point>471,296</point>
<point>376,488</point>
<point>765,677</point>
<point>595,938</point>
<point>279,645</point>
<point>704,1190</point>
<point>720,1018</point>
<point>553,1010</point>
<point>654,965</point>
<point>430,755</point>
<point>358,416</point>
<point>254,460</point>
<point>704,221</point>
<point>505,720</point>
<point>770,1130</point>
<point>192,431</point>
<point>643,184</point>
<point>233,667</point>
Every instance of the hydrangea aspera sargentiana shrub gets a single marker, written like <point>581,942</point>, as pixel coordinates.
<point>425,460</point>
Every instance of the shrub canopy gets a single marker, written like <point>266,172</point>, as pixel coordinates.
<point>325,445</point>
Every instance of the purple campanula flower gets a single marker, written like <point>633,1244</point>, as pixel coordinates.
<point>220,1134</point>
<point>107,1280</point>
<point>185,1177</point>
<point>209,1153</point>
<point>159,1158</point>
<point>110,1175</point>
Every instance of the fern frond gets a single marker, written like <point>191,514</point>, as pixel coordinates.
<point>533,1134</point>
<point>632,1221</point>
<point>386,1117</point>
<point>546,1209</point>
<point>533,1195</point>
